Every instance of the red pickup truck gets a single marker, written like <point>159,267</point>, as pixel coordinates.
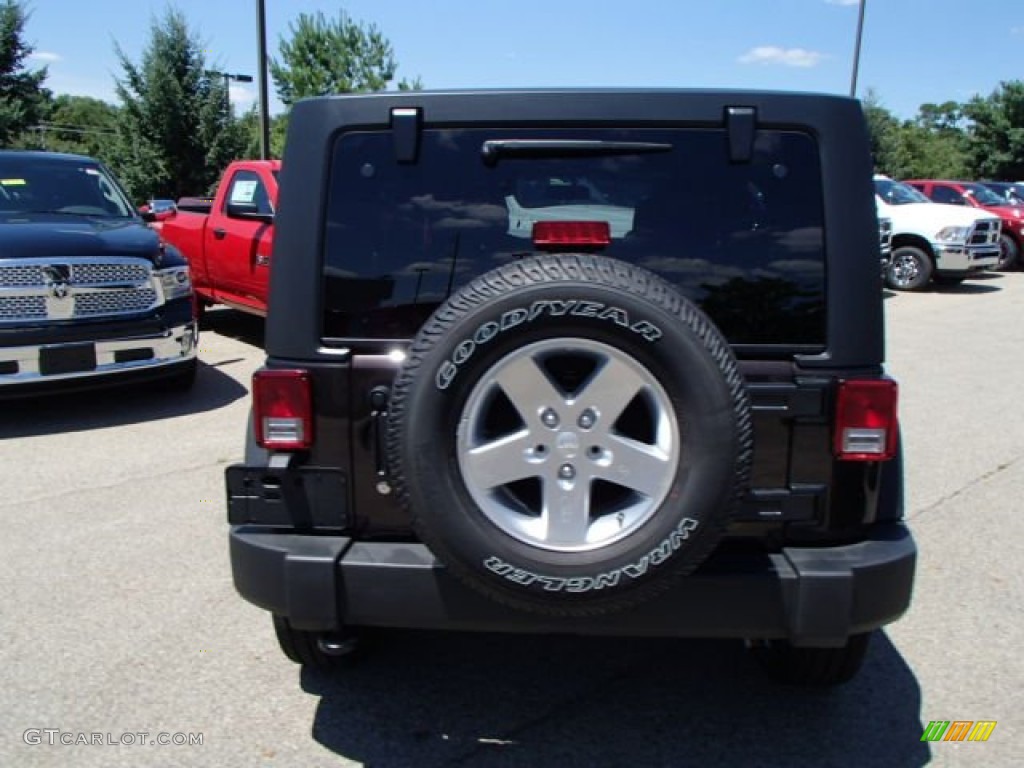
<point>1011,240</point>
<point>228,240</point>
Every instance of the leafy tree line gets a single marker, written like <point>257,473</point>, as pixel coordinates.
<point>979,139</point>
<point>173,129</point>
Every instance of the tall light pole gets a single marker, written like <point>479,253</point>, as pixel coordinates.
<point>856,48</point>
<point>261,24</point>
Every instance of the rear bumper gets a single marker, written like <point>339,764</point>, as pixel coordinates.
<point>812,596</point>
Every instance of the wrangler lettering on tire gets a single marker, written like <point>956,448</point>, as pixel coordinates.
<point>570,434</point>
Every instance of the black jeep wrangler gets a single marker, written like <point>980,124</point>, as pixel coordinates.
<point>576,361</point>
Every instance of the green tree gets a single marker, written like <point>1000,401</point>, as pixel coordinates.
<point>929,146</point>
<point>995,137</point>
<point>333,56</point>
<point>79,124</point>
<point>941,118</point>
<point>883,129</point>
<point>175,130</point>
<point>22,96</point>
<point>250,123</point>
<point>920,153</point>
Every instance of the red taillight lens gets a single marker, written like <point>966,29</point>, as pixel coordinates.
<point>575,234</point>
<point>866,420</point>
<point>283,409</point>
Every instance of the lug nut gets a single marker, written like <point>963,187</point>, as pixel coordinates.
<point>587,419</point>
<point>567,472</point>
<point>549,417</point>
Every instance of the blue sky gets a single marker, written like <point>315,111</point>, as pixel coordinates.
<point>914,51</point>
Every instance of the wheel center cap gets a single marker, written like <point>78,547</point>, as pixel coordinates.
<point>568,444</point>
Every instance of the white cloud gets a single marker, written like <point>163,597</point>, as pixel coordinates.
<point>790,57</point>
<point>843,2</point>
<point>1017,30</point>
<point>45,56</point>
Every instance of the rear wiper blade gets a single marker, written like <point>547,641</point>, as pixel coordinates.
<point>491,151</point>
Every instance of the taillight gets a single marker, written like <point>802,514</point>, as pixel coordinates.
<point>572,234</point>
<point>866,420</point>
<point>283,409</point>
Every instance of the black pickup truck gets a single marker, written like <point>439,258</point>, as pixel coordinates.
<point>599,361</point>
<point>88,294</point>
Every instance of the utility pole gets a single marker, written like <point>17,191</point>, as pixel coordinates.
<point>856,49</point>
<point>261,24</point>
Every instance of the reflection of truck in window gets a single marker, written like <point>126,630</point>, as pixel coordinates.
<point>563,199</point>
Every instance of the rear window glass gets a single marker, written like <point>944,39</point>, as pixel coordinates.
<point>744,241</point>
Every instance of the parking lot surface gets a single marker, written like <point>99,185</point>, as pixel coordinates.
<point>119,617</point>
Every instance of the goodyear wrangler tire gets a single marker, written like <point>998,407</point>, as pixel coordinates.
<point>569,433</point>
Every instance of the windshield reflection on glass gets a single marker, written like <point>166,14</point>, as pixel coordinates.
<point>897,193</point>
<point>31,185</point>
<point>984,195</point>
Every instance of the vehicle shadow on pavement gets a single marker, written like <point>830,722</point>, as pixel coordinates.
<point>989,275</point>
<point>436,699</point>
<point>967,288</point>
<point>117,406</point>
<point>234,325</point>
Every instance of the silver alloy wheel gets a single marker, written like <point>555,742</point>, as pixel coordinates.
<point>904,269</point>
<point>568,444</point>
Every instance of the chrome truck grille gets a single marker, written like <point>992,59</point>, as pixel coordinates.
<point>46,290</point>
<point>986,232</point>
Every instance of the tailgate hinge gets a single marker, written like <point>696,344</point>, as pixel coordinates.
<point>741,125</point>
<point>405,130</point>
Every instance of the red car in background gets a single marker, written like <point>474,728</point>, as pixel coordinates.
<point>977,195</point>
<point>228,240</point>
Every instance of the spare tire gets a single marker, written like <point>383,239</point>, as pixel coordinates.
<point>569,433</point>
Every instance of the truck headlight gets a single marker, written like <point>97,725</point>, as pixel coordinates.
<point>175,282</point>
<point>953,234</point>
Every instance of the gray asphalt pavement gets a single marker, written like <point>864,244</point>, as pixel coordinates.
<point>119,616</point>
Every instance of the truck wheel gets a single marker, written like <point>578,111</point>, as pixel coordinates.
<point>821,667</point>
<point>569,434</point>
<point>316,650</point>
<point>1009,252</point>
<point>910,269</point>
